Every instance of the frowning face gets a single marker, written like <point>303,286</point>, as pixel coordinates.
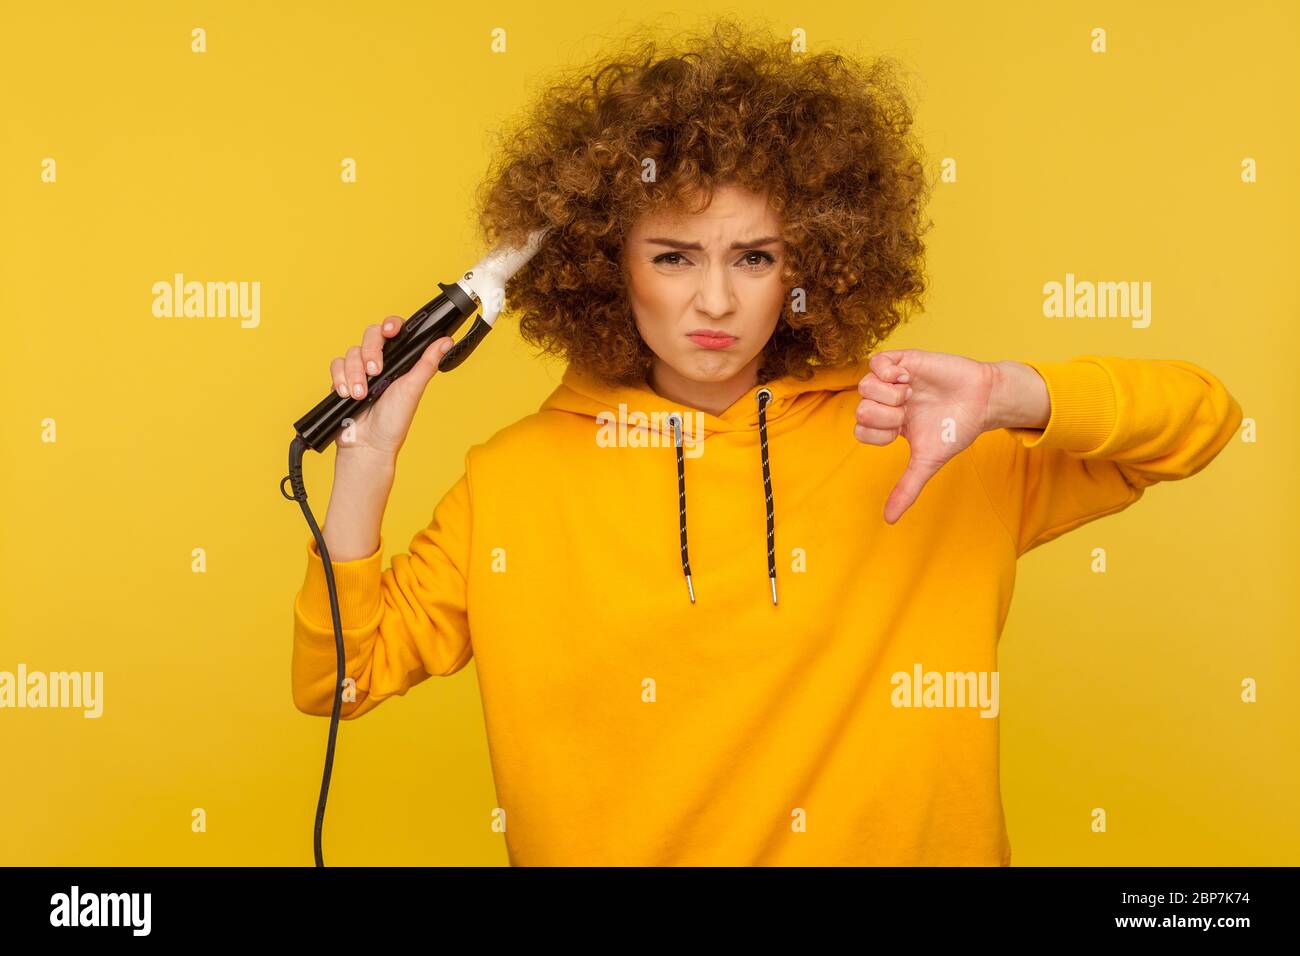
<point>706,288</point>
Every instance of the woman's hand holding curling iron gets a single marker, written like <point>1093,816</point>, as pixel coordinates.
<point>379,431</point>
<point>366,449</point>
<point>941,403</point>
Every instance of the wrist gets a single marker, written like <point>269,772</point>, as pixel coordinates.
<point>1018,397</point>
<point>357,503</point>
<point>365,463</point>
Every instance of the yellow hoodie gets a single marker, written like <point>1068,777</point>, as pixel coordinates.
<point>824,689</point>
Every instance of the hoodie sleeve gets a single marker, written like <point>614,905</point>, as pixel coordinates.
<point>400,625</point>
<point>1116,426</point>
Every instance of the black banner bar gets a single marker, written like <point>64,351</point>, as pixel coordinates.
<point>371,905</point>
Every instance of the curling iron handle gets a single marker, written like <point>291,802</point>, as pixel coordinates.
<point>467,344</point>
<point>438,318</point>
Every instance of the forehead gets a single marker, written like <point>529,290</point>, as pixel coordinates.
<point>733,212</point>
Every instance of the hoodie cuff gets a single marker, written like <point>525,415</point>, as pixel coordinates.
<point>1083,412</point>
<point>357,583</point>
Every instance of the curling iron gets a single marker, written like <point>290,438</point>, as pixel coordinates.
<point>483,284</point>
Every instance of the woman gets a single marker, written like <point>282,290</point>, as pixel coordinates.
<point>698,638</point>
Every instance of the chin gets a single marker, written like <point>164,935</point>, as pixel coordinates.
<point>706,366</point>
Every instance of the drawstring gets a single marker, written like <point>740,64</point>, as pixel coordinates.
<point>676,421</point>
<point>764,393</point>
<point>764,396</point>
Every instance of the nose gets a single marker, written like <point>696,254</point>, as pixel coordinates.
<point>715,296</point>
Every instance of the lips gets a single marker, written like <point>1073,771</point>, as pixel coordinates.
<point>710,339</point>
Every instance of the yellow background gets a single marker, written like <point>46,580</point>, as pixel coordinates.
<point>1121,690</point>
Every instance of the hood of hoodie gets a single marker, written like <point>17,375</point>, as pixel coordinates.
<point>636,415</point>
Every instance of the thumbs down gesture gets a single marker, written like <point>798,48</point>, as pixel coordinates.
<point>940,403</point>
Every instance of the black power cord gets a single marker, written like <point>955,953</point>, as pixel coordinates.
<point>296,449</point>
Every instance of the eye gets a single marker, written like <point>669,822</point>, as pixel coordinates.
<point>664,257</point>
<point>765,259</point>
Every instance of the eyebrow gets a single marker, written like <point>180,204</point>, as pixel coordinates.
<point>743,244</point>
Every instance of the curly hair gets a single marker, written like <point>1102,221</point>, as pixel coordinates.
<point>824,136</point>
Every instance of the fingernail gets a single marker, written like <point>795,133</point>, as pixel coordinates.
<point>371,367</point>
<point>447,347</point>
<point>388,326</point>
<point>356,390</point>
<point>903,377</point>
<point>909,393</point>
<point>342,390</point>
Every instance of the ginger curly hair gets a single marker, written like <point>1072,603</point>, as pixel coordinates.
<point>824,136</point>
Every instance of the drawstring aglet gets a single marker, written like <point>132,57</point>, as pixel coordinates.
<point>773,580</point>
<point>690,588</point>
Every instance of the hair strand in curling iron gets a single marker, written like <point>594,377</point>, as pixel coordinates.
<point>484,284</point>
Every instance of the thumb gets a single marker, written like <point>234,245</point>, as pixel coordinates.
<point>423,370</point>
<point>909,487</point>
